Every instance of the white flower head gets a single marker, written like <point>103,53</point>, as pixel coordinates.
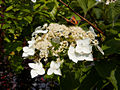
<point>75,57</point>
<point>83,46</point>
<point>54,68</point>
<point>28,51</point>
<point>83,51</point>
<point>34,1</point>
<point>37,69</point>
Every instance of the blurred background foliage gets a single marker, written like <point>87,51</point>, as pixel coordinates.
<point>19,18</point>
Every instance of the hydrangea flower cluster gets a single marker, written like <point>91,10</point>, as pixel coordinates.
<point>57,41</point>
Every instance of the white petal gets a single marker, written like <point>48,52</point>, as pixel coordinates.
<point>40,65</point>
<point>38,28</point>
<point>79,42</point>
<point>57,65</point>
<point>50,71</point>
<point>80,57</point>
<point>52,64</point>
<point>92,30</point>
<point>25,49</point>
<point>33,73</point>
<point>33,65</point>
<point>83,42</point>
<point>98,0</point>
<point>31,43</point>
<point>31,52</point>
<point>25,55</point>
<point>89,57</point>
<point>33,34</point>
<point>41,31</point>
<point>99,48</point>
<point>33,1</point>
<point>44,26</point>
<point>71,54</point>
<point>57,72</point>
<point>83,49</point>
<point>107,2</point>
<point>59,61</point>
<point>86,41</point>
<point>41,71</point>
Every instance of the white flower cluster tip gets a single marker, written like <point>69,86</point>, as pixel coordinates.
<point>56,41</point>
<point>37,69</point>
<point>54,68</point>
<point>107,1</point>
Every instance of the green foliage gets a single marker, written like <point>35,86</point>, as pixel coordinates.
<point>86,5</point>
<point>107,70</point>
<point>9,8</point>
<point>21,17</point>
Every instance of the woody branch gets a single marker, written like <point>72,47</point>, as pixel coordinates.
<point>82,17</point>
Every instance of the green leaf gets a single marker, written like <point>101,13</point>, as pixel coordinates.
<point>11,30</point>
<point>86,5</point>
<point>19,49</point>
<point>117,76</point>
<point>1,2</point>
<point>112,11</point>
<point>5,26</point>
<point>68,82</point>
<point>16,63</point>
<point>9,15</point>
<point>98,12</point>
<point>0,25</point>
<point>113,46</point>
<point>28,18</point>
<point>112,79</point>
<point>9,8</point>
<point>7,39</point>
<point>107,70</point>
<point>16,9</point>
<point>119,34</point>
<point>36,6</point>
<point>91,79</point>
<point>11,46</point>
<point>104,68</point>
<point>91,3</point>
<point>83,5</point>
<point>26,10</point>
<point>54,10</point>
